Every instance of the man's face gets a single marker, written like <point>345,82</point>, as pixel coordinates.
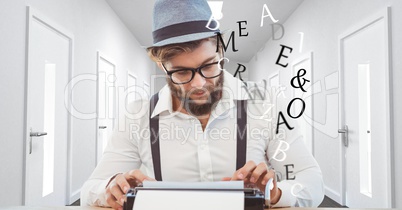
<point>200,95</point>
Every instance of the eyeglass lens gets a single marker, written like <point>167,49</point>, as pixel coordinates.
<point>186,75</point>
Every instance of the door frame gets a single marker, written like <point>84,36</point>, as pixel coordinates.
<point>34,15</point>
<point>384,14</point>
<point>130,75</point>
<point>309,56</point>
<point>102,56</point>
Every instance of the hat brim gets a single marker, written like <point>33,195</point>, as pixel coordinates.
<point>184,38</point>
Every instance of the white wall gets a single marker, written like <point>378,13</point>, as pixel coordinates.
<point>322,22</point>
<point>232,66</point>
<point>95,28</point>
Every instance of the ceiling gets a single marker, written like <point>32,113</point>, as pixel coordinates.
<point>137,16</point>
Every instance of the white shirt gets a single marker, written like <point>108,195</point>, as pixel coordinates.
<point>190,154</point>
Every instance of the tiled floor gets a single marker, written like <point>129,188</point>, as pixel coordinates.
<point>328,202</point>
<point>76,203</point>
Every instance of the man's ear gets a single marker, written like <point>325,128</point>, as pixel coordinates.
<point>160,66</point>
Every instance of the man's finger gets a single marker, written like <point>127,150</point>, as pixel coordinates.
<point>259,172</point>
<point>245,171</point>
<point>226,178</point>
<point>137,175</point>
<point>117,193</point>
<point>270,174</point>
<point>275,191</point>
<point>122,183</point>
<point>111,200</point>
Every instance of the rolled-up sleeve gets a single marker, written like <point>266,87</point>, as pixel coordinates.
<point>300,176</point>
<point>121,155</point>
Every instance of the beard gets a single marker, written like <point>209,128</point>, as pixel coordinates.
<point>191,105</point>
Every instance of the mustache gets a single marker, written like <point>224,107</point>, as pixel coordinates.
<point>190,105</point>
<point>207,89</point>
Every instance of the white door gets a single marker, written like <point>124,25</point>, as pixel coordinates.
<point>147,91</point>
<point>47,123</point>
<point>131,89</point>
<point>302,68</point>
<point>365,110</point>
<point>106,102</point>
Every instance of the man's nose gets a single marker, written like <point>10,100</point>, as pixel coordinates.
<point>198,81</point>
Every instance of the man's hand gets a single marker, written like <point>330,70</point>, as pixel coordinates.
<point>258,175</point>
<point>120,184</point>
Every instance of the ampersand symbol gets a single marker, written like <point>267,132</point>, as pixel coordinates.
<point>300,74</point>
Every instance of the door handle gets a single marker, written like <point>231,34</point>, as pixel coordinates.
<point>345,139</point>
<point>102,127</point>
<point>34,134</point>
<point>37,134</point>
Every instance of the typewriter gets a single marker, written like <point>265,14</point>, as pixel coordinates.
<point>254,199</point>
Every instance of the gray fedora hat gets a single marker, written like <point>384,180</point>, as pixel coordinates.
<point>178,21</point>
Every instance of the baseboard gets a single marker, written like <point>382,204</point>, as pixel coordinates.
<point>333,195</point>
<point>74,196</point>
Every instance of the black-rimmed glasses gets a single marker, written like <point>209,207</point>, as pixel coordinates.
<point>185,75</point>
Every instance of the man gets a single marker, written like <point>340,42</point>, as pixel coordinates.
<point>201,126</point>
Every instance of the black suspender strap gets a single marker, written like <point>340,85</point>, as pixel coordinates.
<point>154,137</point>
<point>241,145</point>
<point>241,148</point>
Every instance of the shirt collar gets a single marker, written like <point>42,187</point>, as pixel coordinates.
<point>164,102</point>
<point>233,89</point>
